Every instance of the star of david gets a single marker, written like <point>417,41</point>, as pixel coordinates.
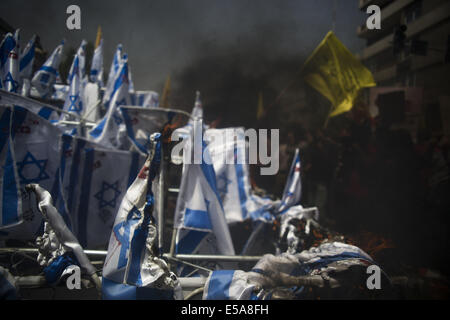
<point>101,195</point>
<point>73,105</point>
<point>15,84</point>
<point>29,159</point>
<point>222,187</point>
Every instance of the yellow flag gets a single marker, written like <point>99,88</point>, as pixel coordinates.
<point>99,37</point>
<point>337,74</point>
<point>260,110</point>
<point>165,94</point>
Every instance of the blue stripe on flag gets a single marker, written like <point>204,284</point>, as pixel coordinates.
<point>26,59</point>
<point>97,131</point>
<point>219,285</point>
<point>84,197</point>
<point>190,241</point>
<point>49,69</point>
<point>241,188</point>
<point>197,219</point>
<point>45,112</point>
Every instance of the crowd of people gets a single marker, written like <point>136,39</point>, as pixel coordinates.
<point>370,174</point>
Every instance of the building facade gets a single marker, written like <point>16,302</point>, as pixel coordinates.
<point>428,72</point>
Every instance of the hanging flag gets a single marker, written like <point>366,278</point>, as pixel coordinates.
<point>199,215</point>
<point>132,269</point>
<point>113,71</point>
<point>166,94</point>
<point>10,194</point>
<point>94,184</point>
<point>111,130</point>
<point>27,59</point>
<point>260,110</point>
<point>96,74</point>
<point>293,189</point>
<point>45,77</point>
<point>9,64</point>
<point>337,74</point>
<point>32,155</point>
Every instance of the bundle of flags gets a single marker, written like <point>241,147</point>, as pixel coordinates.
<point>93,175</point>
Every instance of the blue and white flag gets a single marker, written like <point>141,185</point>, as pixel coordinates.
<point>227,148</point>
<point>74,103</point>
<point>81,64</point>
<point>32,156</point>
<point>9,62</point>
<point>132,269</point>
<point>45,77</point>
<point>277,271</point>
<point>10,194</point>
<point>27,59</point>
<point>111,130</point>
<point>96,74</point>
<point>113,71</point>
<point>45,111</point>
<point>199,215</point>
<point>94,184</point>
<point>293,189</point>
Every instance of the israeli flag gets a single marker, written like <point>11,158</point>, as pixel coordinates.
<point>132,269</point>
<point>257,283</point>
<point>111,130</point>
<point>9,62</point>
<point>10,195</point>
<point>27,59</point>
<point>293,189</point>
<point>74,103</point>
<point>80,67</point>
<point>96,74</point>
<point>45,111</point>
<point>199,216</point>
<point>94,183</point>
<point>113,71</point>
<point>31,151</point>
<point>45,77</point>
